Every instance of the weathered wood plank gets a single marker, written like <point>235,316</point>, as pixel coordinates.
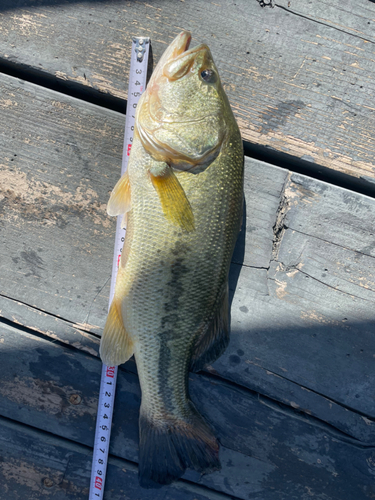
<point>47,324</point>
<point>40,394</point>
<point>267,452</point>
<point>339,14</point>
<point>36,466</point>
<point>313,322</point>
<point>46,140</point>
<point>296,85</point>
<point>60,196</point>
<point>57,288</point>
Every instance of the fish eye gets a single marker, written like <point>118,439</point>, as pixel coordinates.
<point>208,75</point>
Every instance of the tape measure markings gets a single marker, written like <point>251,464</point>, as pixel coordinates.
<point>137,84</point>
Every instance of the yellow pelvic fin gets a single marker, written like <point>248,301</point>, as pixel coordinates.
<point>175,205</point>
<point>116,346</point>
<point>120,201</point>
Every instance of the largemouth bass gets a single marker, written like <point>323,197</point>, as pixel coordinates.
<point>182,197</point>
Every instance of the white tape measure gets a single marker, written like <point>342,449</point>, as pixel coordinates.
<point>137,84</point>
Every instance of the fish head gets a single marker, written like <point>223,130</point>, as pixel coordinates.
<point>182,117</point>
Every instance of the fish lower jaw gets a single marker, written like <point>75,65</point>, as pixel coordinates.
<point>163,152</point>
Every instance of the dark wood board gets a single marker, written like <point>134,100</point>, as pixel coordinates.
<point>268,451</point>
<point>52,282</point>
<point>35,465</point>
<point>300,78</point>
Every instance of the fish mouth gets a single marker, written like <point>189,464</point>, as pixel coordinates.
<point>165,133</point>
<point>177,50</point>
<point>182,42</point>
<point>179,46</point>
<point>180,50</point>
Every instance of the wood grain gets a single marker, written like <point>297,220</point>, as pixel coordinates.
<point>302,273</point>
<point>268,452</point>
<point>55,182</point>
<point>338,14</point>
<point>299,78</point>
<point>37,466</point>
<point>314,314</point>
<point>46,140</point>
<point>292,399</point>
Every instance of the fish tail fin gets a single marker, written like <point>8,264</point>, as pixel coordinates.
<point>168,447</point>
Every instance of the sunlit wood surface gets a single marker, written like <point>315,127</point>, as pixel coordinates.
<point>292,400</point>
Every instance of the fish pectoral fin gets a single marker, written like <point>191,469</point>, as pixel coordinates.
<point>215,338</point>
<point>116,347</point>
<point>120,200</point>
<point>175,205</point>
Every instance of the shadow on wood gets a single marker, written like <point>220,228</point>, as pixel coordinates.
<point>267,446</point>
<point>26,4</point>
<point>238,255</point>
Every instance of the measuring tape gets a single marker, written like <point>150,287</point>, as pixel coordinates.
<point>137,84</point>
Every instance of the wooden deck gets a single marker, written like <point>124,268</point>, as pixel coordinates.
<point>292,400</point>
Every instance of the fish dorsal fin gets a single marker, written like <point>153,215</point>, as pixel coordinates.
<point>116,346</point>
<point>175,205</point>
<point>215,338</point>
<point>120,201</point>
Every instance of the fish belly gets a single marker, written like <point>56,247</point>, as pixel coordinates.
<point>171,285</point>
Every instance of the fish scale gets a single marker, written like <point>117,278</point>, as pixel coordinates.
<point>170,306</point>
<point>149,260</point>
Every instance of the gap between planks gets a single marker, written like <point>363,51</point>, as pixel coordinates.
<point>252,150</point>
<point>211,375</point>
<point>74,448</point>
<point>309,18</point>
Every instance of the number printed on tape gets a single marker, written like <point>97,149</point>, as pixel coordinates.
<point>137,84</point>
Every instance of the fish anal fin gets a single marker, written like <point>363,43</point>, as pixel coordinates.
<point>120,200</point>
<point>175,205</point>
<point>116,346</point>
<point>214,340</point>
